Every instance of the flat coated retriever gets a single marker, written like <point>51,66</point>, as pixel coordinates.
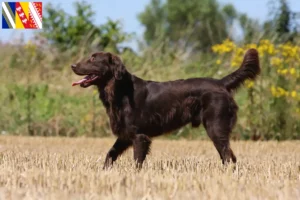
<point>139,109</point>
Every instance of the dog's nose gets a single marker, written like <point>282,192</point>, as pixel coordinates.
<point>73,66</point>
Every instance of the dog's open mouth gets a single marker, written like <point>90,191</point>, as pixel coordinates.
<point>86,81</point>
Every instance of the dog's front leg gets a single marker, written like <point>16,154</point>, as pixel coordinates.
<point>117,149</point>
<point>141,147</point>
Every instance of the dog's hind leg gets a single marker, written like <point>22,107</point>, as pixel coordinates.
<point>218,120</point>
<point>220,139</point>
<point>222,145</point>
<point>117,149</point>
<point>141,147</point>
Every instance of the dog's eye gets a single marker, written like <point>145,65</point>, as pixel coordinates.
<point>92,59</point>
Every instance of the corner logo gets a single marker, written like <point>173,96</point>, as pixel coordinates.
<point>22,15</point>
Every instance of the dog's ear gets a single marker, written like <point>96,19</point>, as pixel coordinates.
<point>118,67</point>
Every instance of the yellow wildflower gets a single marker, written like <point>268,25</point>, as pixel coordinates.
<point>273,91</point>
<point>251,46</point>
<point>294,94</point>
<point>240,52</point>
<point>226,47</point>
<point>282,71</point>
<point>279,92</point>
<point>237,58</point>
<point>275,61</point>
<point>289,51</point>
<point>292,71</point>
<point>271,49</point>
<point>265,46</point>
<point>249,84</point>
<point>234,63</point>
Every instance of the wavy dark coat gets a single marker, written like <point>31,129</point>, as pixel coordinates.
<point>139,109</point>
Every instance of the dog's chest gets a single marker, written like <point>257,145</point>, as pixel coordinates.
<point>120,117</point>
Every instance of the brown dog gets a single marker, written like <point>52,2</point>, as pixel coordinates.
<point>140,109</point>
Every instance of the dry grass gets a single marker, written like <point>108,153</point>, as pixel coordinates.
<point>62,168</point>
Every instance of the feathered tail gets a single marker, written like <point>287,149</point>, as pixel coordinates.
<point>249,69</point>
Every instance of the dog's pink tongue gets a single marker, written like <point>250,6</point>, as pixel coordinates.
<point>79,82</point>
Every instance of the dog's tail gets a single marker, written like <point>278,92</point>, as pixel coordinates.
<point>249,69</point>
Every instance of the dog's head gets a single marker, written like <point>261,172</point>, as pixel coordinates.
<point>99,68</point>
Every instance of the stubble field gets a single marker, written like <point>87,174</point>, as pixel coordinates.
<point>64,168</point>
